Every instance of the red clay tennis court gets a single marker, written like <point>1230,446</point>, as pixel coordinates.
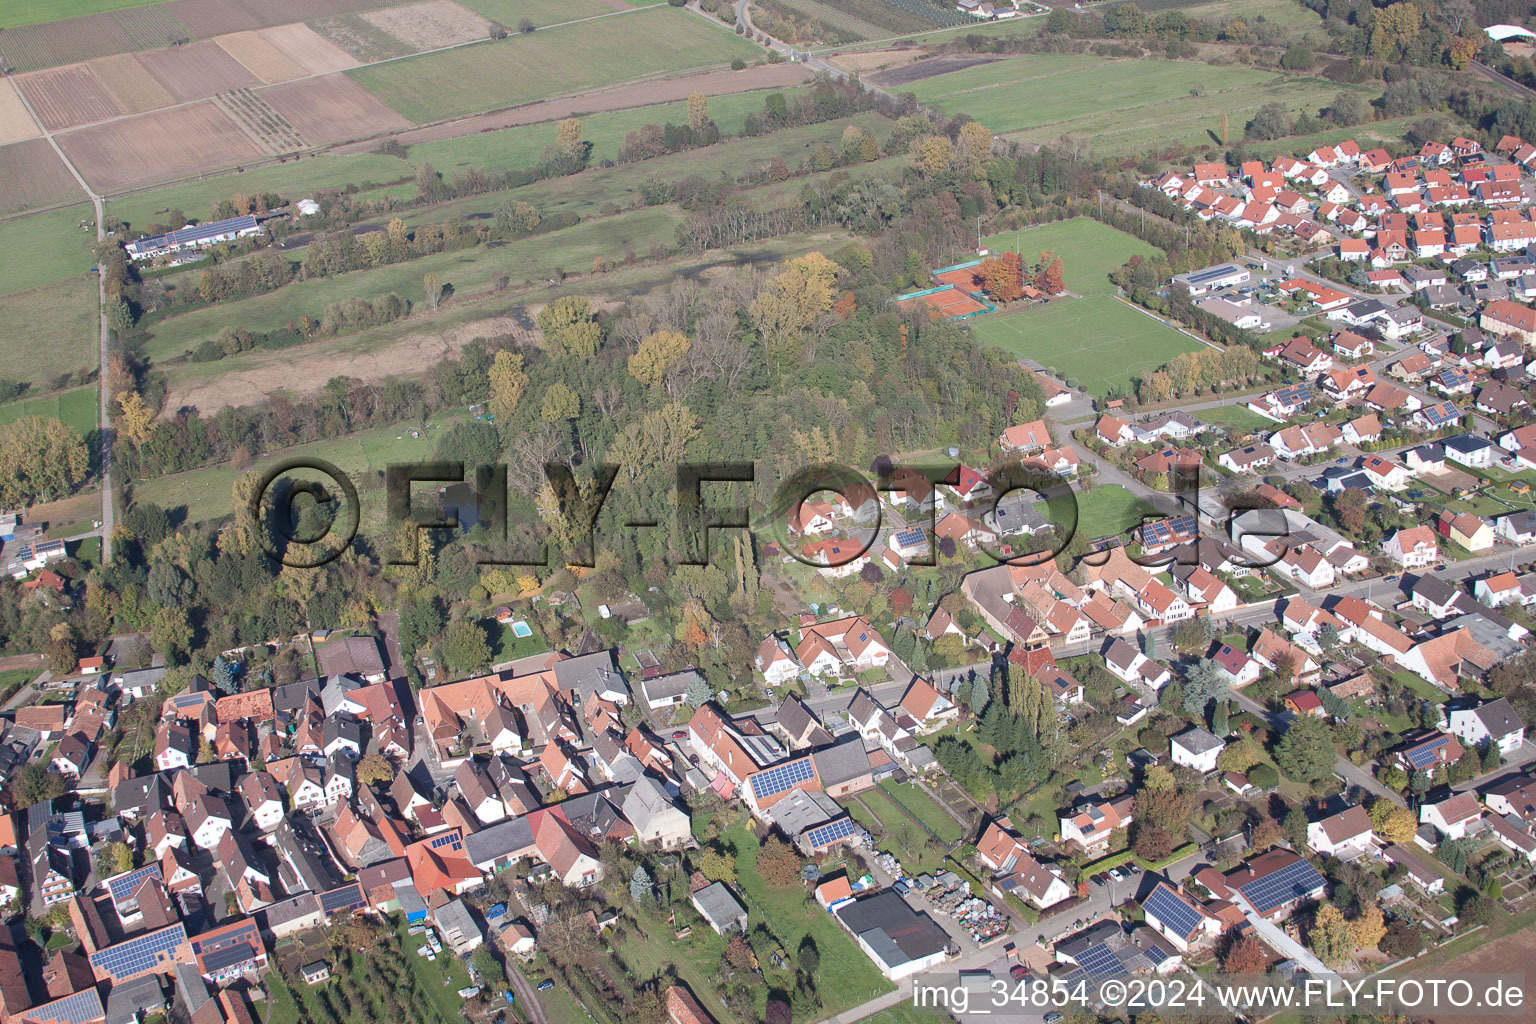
<point>947,301</point>
<point>962,278</point>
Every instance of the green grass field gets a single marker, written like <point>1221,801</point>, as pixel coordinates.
<point>1285,13</point>
<point>1120,105</point>
<point>76,408</point>
<point>1105,511</point>
<point>15,13</point>
<point>925,809</point>
<point>1097,341</point>
<point>1089,250</point>
<point>57,248</point>
<point>586,193</point>
<point>533,258</point>
<point>1234,417</point>
<point>524,145</point>
<point>56,330</point>
<point>295,179</point>
<point>792,916</point>
<point>521,69</point>
<point>206,493</point>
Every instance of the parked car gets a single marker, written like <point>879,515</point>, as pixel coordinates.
<point>545,985</point>
<point>1019,972</point>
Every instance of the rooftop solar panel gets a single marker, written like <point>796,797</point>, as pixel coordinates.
<point>228,956</point>
<point>1100,961</point>
<point>122,887</point>
<point>782,778</point>
<point>825,835</point>
<point>909,537</point>
<point>79,1008</point>
<point>347,897</point>
<point>1294,881</point>
<point>137,955</point>
<point>450,840</point>
<point>1167,907</point>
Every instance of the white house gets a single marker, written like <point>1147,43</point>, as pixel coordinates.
<point>1196,748</point>
<point>1453,817</point>
<point>1495,721</point>
<point>1345,835</point>
<point>1412,548</point>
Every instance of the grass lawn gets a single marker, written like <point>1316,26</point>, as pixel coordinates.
<point>1095,342</point>
<point>206,493</point>
<point>523,145</point>
<point>915,799</point>
<point>15,13</point>
<point>294,179</point>
<point>1234,417</point>
<point>1420,687</point>
<point>586,193</point>
<point>523,68</point>
<point>1107,510</point>
<point>656,951</point>
<point>57,247</point>
<point>506,647</point>
<point>76,407</point>
<point>63,331</point>
<point>1089,250</point>
<point>432,974</point>
<point>13,679</point>
<point>571,248</point>
<point>1123,105</point>
<point>792,915</point>
<point>1285,13</point>
<point>887,818</point>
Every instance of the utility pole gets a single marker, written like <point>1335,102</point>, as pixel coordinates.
<point>978,232</point>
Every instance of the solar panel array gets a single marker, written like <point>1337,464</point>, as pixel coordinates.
<point>1442,414</point>
<point>908,538</point>
<point>1167,531</point>
<point>1296,394</point>
<point>135,956</point>
<point>450,841</point>
<point>228,956</point>
<point>823,836</point>
<point>1165,905</point>
<point>348,897</point>
<point>1099,961</point>
<point>1293,881</point>
<point>79,1008</point>
<point>1424,755</point>
<point>781,779</point>
<point>122,887</point>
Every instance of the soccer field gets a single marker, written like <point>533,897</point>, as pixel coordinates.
<point>1095,341</point>
<point>1089,250</point>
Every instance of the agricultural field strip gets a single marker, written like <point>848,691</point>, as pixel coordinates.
<point>371,64</point>
<point>833,17</point>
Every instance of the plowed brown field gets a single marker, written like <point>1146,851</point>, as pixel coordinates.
<point>15,123</point>
<point>68,96</point>
<point>134,88</point>
<point>197,71</point>
<point>260,57</point>
<point>158,147</point>
<point>332,108</point>
<point>318,55</point>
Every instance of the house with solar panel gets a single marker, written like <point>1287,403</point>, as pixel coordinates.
<point>1273,884</point>
<point>1431,753</point>
<point>1178,917</point>
<point>193,237</point>
<point>1015,872</point>
<point>1093,825</point>
<point>229,952</point>
<point>1105,951</point>
<point>153,952</point>
<point>843,646</point>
